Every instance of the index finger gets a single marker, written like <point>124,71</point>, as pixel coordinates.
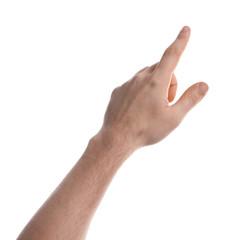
<point>173,53</point>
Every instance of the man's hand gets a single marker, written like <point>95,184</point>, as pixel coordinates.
<point>138,114</point>
<point>139,110</point>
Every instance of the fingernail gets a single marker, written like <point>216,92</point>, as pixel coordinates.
<point>185,29</point>
<point>203,88</point>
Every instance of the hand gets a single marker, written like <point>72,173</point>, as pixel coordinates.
<point>139,113</point>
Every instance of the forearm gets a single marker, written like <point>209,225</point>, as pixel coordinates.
<point>68,211</point>
<point>139,114</point>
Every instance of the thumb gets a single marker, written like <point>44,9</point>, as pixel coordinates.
<point>191,97</point>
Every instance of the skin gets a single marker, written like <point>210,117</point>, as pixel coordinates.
<point>138,114</point>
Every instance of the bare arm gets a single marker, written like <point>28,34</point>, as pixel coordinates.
<point>68,211</point>
<point>138,115</point>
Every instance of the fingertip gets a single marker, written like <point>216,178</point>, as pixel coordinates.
<point>203,87</point>
<point>172,92</point>
<point>170,98</point>
<point>184,32</point>
<point>191,97</point>
<point>185,29</point>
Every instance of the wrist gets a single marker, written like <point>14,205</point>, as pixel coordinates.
<point>109,147</point>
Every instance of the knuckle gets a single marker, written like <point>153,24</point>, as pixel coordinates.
<point>137,77</point>
<point>114,91</point>
<point>172,50</point>
<point>152,84</point>
<point>157,73</point>
<point>193,99</point>
<point>142,73</point>
<point>142,70</point>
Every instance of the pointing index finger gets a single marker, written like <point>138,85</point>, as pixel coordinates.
<point>173,53</point>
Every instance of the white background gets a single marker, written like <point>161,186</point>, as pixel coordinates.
<point>60,61</point>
